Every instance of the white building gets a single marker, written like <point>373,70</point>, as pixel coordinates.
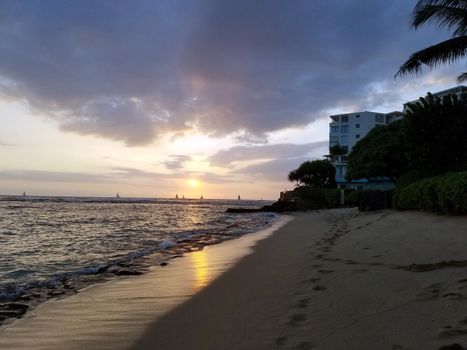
<point>347,129</point>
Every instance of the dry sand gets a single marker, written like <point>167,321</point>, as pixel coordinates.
<point>334,280</point>
<point>329,280</point>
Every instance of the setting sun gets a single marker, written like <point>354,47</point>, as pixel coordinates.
<point>193,183</point>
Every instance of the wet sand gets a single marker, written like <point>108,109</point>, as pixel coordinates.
<point>114,314</point>
<point>332,279</point>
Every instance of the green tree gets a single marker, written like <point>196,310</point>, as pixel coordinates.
<point>316,173</point>
<point>382,152</point>
<point>335,151</point>
<point>436,131</point>
<point>443,13</point>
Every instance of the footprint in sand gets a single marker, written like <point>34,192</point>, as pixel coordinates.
<point>297,319</point>
<point>319,288</point>
<point>304,346</point>
<point>325,271</point>
<point>281,340</point>
<point>303,303</point>
<point>453,296</point>
<point>449,332</point>
<point>452,347</point>
<point>430,292</point>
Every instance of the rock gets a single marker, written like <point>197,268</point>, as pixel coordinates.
<point>127,272</point>
<point>164,263</point>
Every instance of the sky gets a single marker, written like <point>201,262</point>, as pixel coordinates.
<point>192,97</point>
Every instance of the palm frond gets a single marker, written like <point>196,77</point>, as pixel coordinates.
<point>461,78</point>
<point>451,17</point>
<point>447,51</point>
<point>451,3</point>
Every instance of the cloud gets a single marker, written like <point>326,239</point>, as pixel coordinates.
<point>135,71</point>
<point>274,170</point>
<point>225,158</point>
<point>175,162</point>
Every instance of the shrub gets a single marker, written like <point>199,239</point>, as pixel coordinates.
<point>332,197</point>
<point>352,198</point>
<point>446,194</point>
<point>374,200</point>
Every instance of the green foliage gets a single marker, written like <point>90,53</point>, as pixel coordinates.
<point>312,198</point>
<point>332,197</point>
<point>316,173</point>
<point>430,140</point>
<point>380,153</point>
<point>408,178</point>
<point>336,150</point>
<point>436,133</point>
<point>443,193</point>
<point>374,200</point>
<point>352,198</point>
<point>443,13</point>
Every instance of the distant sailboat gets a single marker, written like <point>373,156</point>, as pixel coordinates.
<point>24,194</point>
<point>117,196</point>
<point>183,196</point>
<point>201,197</point>
<point>176,196</point>
<point>239,197</point>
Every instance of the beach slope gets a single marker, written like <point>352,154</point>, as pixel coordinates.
<point>334,280</point>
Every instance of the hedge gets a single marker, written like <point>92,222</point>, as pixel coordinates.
<point>445,194</point>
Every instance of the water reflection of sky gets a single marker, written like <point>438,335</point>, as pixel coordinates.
<point>200,266</point>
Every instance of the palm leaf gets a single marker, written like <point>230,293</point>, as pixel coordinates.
<point>461,78</point>
<point>451,17</point>
<point>445,52</point>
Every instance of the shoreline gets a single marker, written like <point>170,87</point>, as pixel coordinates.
<point>331,279</point>
<point>335,280</point>
<point>120,308</point>
<point>18,299</point>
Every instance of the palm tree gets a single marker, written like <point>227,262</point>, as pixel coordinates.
<point>443,13</point>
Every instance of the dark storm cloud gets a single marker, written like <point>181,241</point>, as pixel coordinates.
<point>133,70</point>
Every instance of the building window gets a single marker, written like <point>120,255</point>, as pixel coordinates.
<point>344,140</point>
<point>344,129</point>
<point>357,115</point>
<point>344,119</point>
<point>357,136</point>
<point>379,118</point>
<point>334,129</point>
<point>334,139</point>
<point>357,126</point>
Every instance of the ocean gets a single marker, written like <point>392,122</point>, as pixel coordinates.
<point>54,246</point>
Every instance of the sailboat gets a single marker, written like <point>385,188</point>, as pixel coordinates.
<point>24,194</point>
<point>201,197</point>
<point>117,196</point>
<point>176,196</point>
<point>183,196</point>
<point>239,197</point>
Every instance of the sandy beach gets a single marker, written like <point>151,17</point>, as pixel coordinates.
<point>333,279</point>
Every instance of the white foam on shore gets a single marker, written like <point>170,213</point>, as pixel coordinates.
<point>114,314</point>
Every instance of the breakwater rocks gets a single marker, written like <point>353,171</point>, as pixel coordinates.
<point>276,207</point>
